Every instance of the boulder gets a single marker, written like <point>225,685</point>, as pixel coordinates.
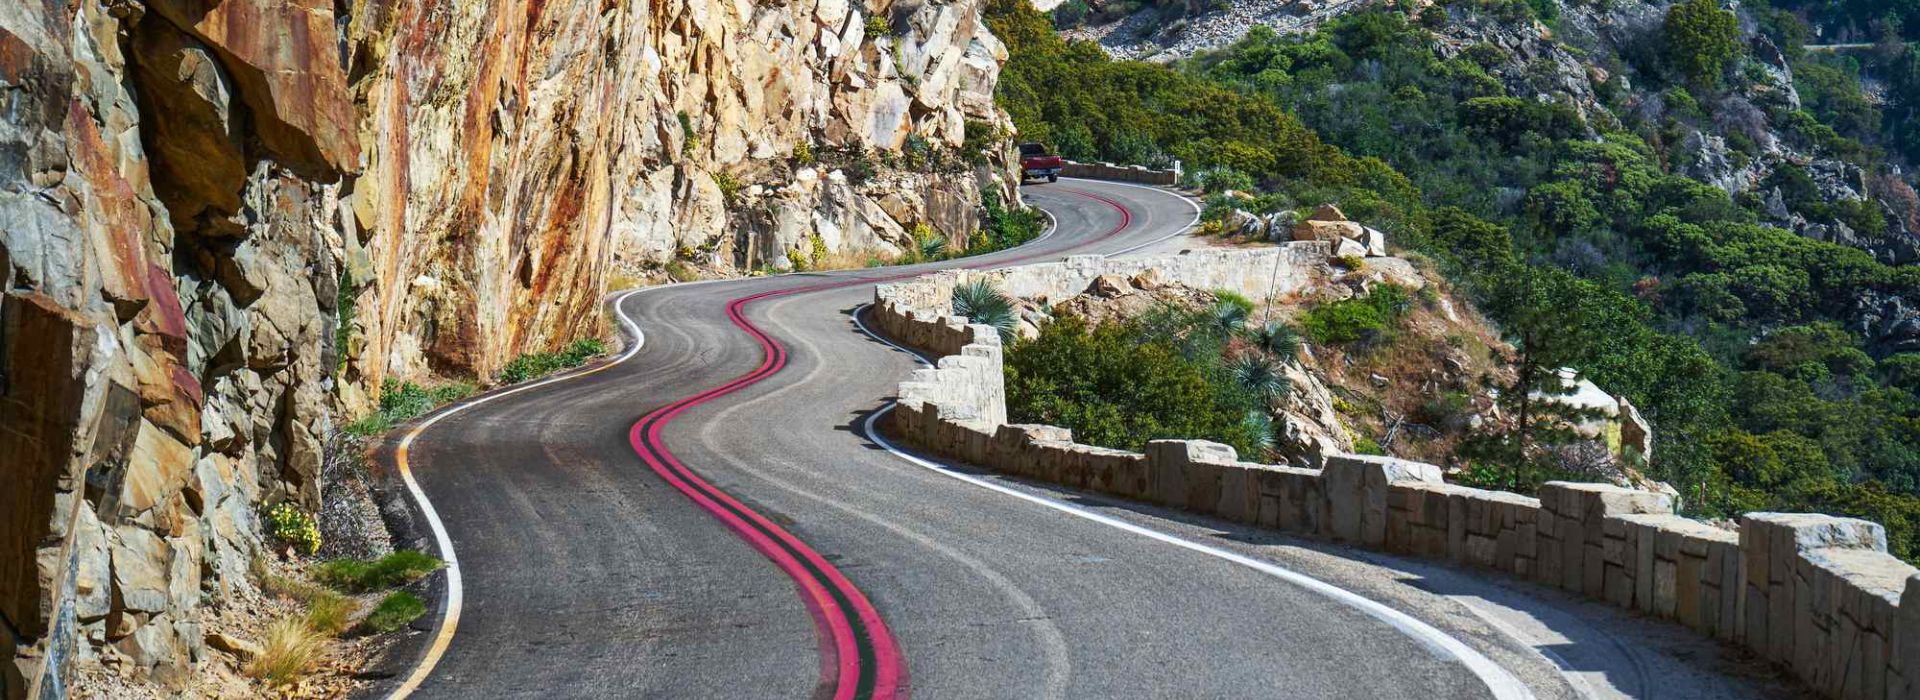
<point>1327,212</point>
<point>1635,433</point>
<point>1349,248</point>
<point>1241,220</point>
<point>1148,280</point>
<point>1109,286</point>
<point>1375,241</point>
<point>232,644</point>
<point>1329,231</point>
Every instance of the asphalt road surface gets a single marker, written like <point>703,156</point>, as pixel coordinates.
<point>708,519</point>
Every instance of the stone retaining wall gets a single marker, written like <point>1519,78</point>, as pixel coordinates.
<point>1123,173</point>
<point>1817,594</point>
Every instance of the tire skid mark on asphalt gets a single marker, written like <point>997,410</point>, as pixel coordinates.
<point>455,596</point>
<point>1059,662</point>
<point>856,641</point>
<point>1501,683</point>
<point>890,678</point>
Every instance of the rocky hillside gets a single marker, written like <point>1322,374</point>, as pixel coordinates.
<point>1761,138</point>
<point>226,222</point>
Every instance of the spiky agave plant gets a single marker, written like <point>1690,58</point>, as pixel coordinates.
<point>981,303</point>
<point>932,247</point>
<point>1275,338</point>
<point>1259,428</point>
<point>1227,317</point>
<point>1259,376</point>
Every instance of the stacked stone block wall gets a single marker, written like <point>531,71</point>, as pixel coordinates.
<point>1121,173</point>
<point>1816,594</point>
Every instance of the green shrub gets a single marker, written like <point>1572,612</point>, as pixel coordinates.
<point>729,187</point>
<point>1123,384</point>
<point>361,575</point>
<point>288,524</point>
<point>1702,40</point>
<point>1002,228</point>
<point>395,611</point>
<point>1358,319</point>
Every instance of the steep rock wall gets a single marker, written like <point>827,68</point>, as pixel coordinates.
<point>518,151</point>
<point>197,195</point>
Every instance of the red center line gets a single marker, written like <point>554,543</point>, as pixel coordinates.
<point>859,655</point>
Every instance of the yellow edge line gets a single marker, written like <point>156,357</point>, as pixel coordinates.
<point>450,619</point>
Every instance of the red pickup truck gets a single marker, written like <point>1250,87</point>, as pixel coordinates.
<point>1036,163</point>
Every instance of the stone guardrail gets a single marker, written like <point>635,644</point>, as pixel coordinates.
<point>1817,594</point>
<point>1123,173</point>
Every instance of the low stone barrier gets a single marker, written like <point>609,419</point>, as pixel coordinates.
<point>1123,173</point>
<point>1818,595</point>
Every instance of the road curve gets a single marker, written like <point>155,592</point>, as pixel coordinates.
<point>706,519</point>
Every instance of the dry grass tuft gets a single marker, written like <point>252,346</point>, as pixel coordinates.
<point>292,648</point>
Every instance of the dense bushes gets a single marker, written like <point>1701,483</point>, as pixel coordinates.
<point>1701,40</point>
<point>1360,319</point>
<point>1092,108</point>
<point>1122,384</point>
<point>1576,235</point>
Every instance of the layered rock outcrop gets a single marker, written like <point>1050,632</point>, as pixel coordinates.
<point>224,222</point>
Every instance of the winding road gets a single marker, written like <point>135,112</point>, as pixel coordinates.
<point>707,517</point>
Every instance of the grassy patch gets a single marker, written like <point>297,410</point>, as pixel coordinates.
<point>535,365</point>
<point>395,611</point>
<point>1360,319</point>
<point>403,401</point>
<point>360,575</point>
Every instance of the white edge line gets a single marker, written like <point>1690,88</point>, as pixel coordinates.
<point>1498,680</point>
<point>450,617</point>
<point>1195,221</point>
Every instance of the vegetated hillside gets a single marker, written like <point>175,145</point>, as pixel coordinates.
<point>1576,195</point>
<point>1370,354</point>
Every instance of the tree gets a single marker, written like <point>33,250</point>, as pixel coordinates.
<point>1702,40</point>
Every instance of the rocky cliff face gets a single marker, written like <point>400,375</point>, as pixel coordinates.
<point>518,150</point>
<point>224,222</point>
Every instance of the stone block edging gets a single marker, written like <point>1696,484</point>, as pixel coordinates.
<point>1817,594</point>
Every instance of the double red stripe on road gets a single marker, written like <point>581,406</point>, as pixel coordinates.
<point>856,644</point>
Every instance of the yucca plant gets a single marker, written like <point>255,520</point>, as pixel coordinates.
<point>1275,338</point>
<point>1227,317</point>
<point>932,247</point>
<point>1259,428</point>
<point>981,303</point>
<point>1259,376</point>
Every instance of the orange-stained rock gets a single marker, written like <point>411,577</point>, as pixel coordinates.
<point>284,56</point>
